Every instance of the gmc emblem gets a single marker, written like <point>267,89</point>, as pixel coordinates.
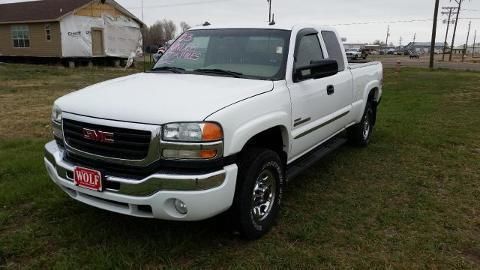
<point>98,136</point>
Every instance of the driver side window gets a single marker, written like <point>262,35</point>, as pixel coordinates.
<point>309,51</point>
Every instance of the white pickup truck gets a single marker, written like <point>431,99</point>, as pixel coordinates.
<point>225,117</point>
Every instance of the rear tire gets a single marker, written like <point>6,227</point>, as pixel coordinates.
<point>360,133</point>
<point>259,192</point>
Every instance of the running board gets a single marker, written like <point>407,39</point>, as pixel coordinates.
<point>299,166</point>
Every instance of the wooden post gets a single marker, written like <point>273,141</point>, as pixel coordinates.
<point>466,44</point>
<point>474,41</point>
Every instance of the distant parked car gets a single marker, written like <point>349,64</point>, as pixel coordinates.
<point>414,55</point>
<point>391,51</point>
<point>354,54</point>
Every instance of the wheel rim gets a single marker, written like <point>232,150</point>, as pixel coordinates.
<point>366,127</point>
<point>263,197</point>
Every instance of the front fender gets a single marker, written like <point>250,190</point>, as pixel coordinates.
<point>243,133</point>
<point>245,119</point>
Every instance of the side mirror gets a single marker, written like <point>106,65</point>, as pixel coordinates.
<point>316,70</point>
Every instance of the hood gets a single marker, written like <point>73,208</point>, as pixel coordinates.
<point>159,98</point>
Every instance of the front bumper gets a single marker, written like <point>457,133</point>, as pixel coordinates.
<point>204,195</point>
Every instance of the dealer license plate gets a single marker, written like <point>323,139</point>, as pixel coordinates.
<point>87,178</point>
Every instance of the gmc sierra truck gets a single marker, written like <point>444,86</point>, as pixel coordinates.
<point>219,124</point>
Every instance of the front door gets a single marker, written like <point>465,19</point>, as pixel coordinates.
<point>316,103</point>
<point>97,42</point>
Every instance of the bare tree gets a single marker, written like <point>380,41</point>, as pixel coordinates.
<point>185,26</point>
<point>169,28</point>
<point>158,34</point>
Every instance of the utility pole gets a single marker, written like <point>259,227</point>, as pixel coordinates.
<point>474,41</point>
<point>449,21</point>
<point>466,44</point>
<point>388,35</point>
<point>455,30</point>
<point>269,11</point>
<point>413,44</point>
<point>434,33</point>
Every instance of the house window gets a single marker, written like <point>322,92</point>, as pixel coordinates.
<point>20,36</point>
<point>48,32</point>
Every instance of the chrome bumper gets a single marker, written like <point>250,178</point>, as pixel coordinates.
<point>145,187</point>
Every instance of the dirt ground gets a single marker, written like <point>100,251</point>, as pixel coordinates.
<point>405,61</point>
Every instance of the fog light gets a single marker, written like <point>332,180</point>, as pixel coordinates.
<point>180,207</point>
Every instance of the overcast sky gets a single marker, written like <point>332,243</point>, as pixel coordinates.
<point>377,13</point>
<point>326,12</point>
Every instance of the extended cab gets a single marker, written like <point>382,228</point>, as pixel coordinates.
<point>225,117</point>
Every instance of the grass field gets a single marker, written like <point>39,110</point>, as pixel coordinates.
<point>411,200</point>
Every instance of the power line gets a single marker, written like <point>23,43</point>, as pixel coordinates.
<point>180,4</point>
<point>399,21</point>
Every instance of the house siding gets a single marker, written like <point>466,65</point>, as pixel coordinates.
<point>97,10</point>
<point>39,45</point>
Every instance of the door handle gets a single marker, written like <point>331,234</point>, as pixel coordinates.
<point>330,90</point>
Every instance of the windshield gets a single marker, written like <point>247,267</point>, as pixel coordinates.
<point>242,53</point>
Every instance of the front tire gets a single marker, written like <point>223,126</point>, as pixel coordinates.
<point>259,192</point>
<point>360,133</point>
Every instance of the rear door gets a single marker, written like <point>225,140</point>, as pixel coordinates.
<point>340,100</point>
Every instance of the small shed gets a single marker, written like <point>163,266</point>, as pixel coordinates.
<point>68,29</point>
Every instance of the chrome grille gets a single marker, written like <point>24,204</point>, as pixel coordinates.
<point>127,144</point>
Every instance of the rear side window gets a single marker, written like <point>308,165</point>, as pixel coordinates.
<point>309,51</point>
<point>333,48</point>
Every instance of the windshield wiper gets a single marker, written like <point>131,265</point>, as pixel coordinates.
<point>171,69</point>
<point>219,72</point>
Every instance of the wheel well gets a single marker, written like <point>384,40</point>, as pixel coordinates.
<point>373,97</point>
<point>275,139</point>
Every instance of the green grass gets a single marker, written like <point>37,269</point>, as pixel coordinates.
<point>410,200</point>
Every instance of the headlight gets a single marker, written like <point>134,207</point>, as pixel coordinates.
<point>187,141</point>
<point>56,114</point>
<point>57,123</point>
<point>192,132</point>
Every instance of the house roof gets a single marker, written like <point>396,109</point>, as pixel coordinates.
<point>424,44</point>
<point>46,10</point>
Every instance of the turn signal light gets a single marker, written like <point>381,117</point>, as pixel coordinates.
<point>208,154</point>
<point>212,132</point>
